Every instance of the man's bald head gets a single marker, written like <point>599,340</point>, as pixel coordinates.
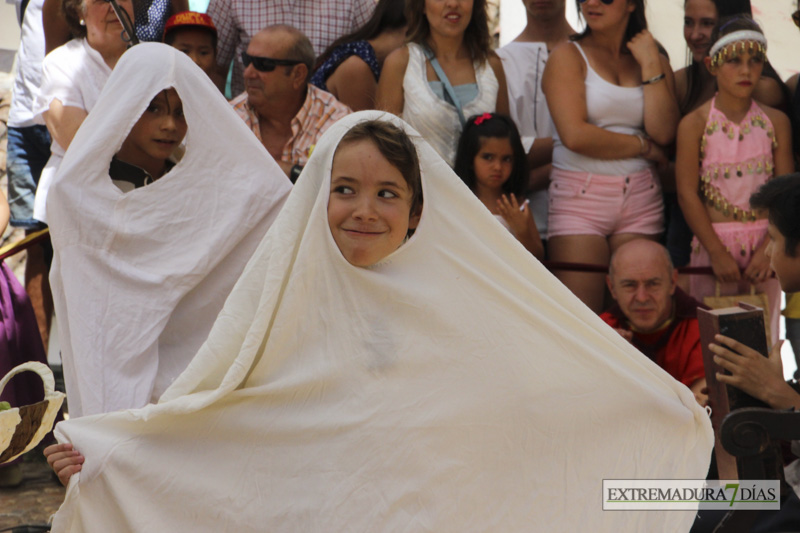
<point>642,280</point>
<point>638,250</point>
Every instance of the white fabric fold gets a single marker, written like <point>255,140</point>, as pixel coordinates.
<point>455,386</point>
<point>138,278</point>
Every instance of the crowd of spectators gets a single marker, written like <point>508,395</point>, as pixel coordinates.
<point>587,175</point>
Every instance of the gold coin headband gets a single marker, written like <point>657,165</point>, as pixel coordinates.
<point>731,45</point>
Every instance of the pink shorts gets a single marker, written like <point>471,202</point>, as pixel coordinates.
<point>596,204</point>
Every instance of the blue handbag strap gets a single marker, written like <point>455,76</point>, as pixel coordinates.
<point>437,68</point>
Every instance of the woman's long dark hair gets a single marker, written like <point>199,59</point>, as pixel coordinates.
<point>636,23</point>
<point>388,15</point>
<point>491,126</point>
<point>476,36</point>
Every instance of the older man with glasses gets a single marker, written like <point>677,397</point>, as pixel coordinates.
<point>286,113</point>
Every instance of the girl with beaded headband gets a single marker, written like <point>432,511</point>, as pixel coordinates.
<point>727,148</point>
<point>695,85</point>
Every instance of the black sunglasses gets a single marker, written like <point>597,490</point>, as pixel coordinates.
<point>606,2</point>
<point>267,64</point>
<point>796,18</point>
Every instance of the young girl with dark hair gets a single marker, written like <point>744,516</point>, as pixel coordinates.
<point>491,160</point>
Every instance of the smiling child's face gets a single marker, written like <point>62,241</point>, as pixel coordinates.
<point>369,209</point>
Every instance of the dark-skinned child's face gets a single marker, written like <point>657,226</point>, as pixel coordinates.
<point>198,44</point>
<point>156,134</point>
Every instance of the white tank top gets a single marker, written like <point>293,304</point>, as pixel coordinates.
<point>613,108</point>
<point>436,120</point>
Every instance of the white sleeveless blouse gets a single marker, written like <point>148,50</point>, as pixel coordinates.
<point>436,120</point>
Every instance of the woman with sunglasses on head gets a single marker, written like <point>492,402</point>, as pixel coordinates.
<point>611,94</point>
<point>446,73</point>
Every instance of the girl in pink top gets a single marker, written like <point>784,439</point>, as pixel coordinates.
<point>727,148</point>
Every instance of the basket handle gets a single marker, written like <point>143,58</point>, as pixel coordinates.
<point>33,366</point>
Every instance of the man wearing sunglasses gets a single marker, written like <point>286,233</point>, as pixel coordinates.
<point>285,112</point>
<point>237,22</point>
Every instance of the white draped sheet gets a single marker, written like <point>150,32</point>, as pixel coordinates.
<point>455,386</point>
<point>138,278</point>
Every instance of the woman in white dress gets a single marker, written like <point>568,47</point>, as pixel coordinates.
<point>446,73</point>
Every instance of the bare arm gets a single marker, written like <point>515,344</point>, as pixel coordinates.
<point>759,268</point>
<point>63,122</point>
<point>56,31</point>
<point>661,113</point>
<point>353,83</point>
<point>502,92</point>
<point>566,68</point>
<point>389,96</point>
<point>687,175</point>
<point>782,155</point>
<point>520,220</point>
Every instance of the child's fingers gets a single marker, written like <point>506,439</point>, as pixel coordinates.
<point>66,462</point>
<point>66,473</point>
<point>53,448</point>
<point>57,461</point>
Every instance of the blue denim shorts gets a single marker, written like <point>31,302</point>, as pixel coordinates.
<point>28,152</point>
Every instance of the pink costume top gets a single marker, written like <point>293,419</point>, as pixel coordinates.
<point>735,160</point>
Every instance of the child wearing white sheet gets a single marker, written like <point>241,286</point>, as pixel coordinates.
<point>143,158</point>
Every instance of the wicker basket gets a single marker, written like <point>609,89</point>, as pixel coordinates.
<point>22,428</point>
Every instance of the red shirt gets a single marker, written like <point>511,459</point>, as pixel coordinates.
<point>681,356</point>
